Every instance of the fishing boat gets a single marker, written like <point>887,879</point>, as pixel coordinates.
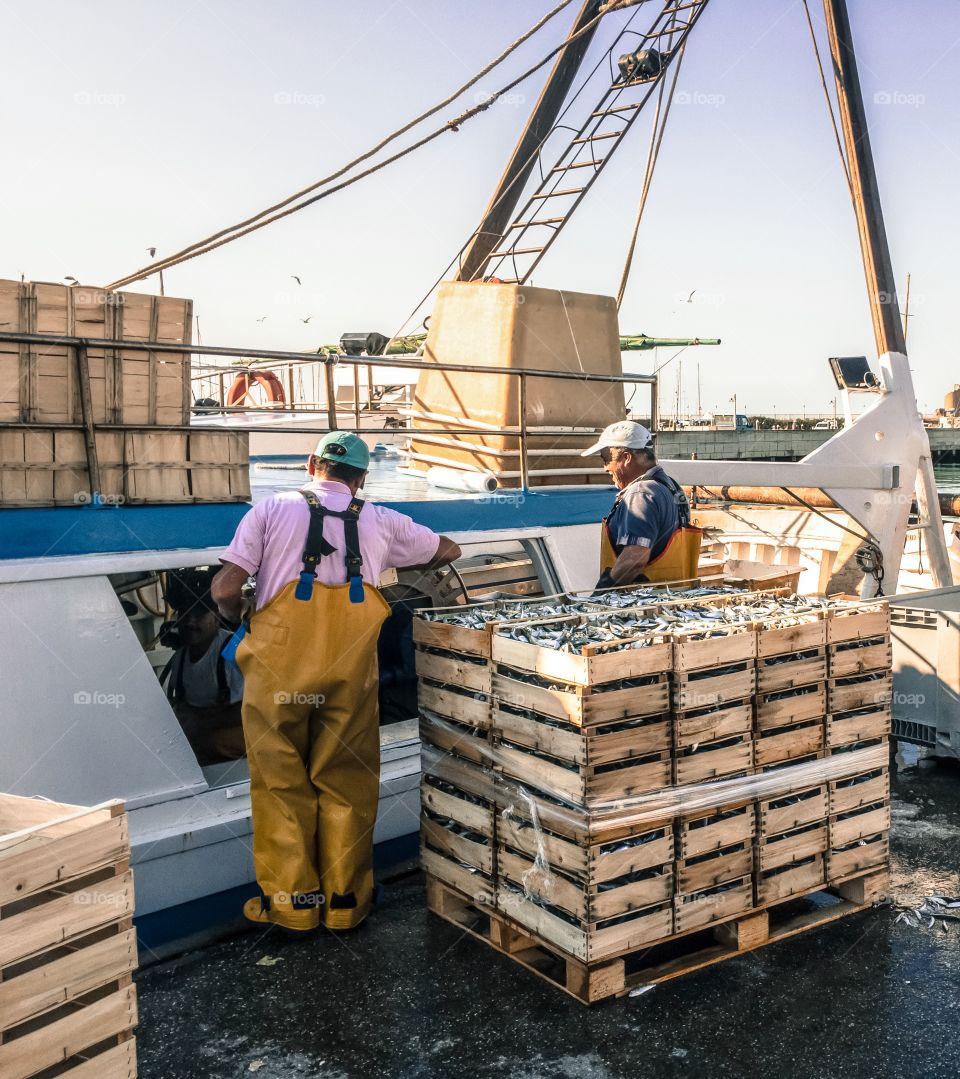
<point>82,585</point>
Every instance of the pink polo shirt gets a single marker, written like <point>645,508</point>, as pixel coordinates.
<point>270,539</point>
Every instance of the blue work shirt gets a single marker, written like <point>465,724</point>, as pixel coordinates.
<point>645,514</point>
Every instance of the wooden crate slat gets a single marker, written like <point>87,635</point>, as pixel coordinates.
<point>845,694</point>
<point>712,725</point>
<point>788,674</point>
<point>733,645</point>
<point>69,1035</point>
<point>88,967</point>
<point>476,818</point>
<point>780,850</point>
<point>870,788</point>
<point>784,814</point>
<point>456,706</point>
<point>791,880</point>
<point>453,670</point>
<point>780,744</point>
<point>581,707</point>
<point>60,919</point>
<point>42,860</point>
<point>846,728</point>
<point>459,847</point>
<point>713,904</point>
<point>863,658</point>
<point>777,640</point>
<point>474,885</point>
<point>847,829</point>
<point>730,863</point>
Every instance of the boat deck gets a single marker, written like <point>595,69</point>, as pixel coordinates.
<point>410,995</point>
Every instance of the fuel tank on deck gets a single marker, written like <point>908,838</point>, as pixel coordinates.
<point>517,327</point>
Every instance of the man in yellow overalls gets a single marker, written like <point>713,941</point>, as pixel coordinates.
<point>310,703</point>
<point>647,536</point>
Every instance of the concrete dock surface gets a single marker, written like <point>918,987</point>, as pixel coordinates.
<point>409,995</point>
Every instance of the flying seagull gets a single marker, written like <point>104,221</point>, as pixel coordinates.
<point>264,319</point>
<point>306,320</point>
<point>297,279</point>
<point>72,280</point>
<point>689,299</point>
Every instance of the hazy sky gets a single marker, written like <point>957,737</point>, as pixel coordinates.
<point>134,124</point>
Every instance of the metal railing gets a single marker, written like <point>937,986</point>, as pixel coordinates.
<point>267,359</point>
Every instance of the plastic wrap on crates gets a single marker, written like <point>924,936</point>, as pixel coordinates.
<point>656,806</point>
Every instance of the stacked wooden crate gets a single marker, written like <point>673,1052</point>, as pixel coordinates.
<point>59,413</point>
<point>859,699</point>
<point>700,722</point>
<point>67,945</point>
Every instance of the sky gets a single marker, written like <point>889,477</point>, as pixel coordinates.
<point>132,124</point>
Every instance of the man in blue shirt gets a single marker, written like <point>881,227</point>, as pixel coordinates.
<point>647,535</point>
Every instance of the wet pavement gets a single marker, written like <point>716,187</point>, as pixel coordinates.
<point>410,995</point>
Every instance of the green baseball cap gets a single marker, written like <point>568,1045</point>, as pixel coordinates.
<point>344,448</point>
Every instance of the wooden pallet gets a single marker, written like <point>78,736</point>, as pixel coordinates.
<point>67,944</point>
<point>726,938</point>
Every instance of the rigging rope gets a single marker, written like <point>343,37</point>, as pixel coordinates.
<point>826,94</point>
<point>656,138</point>
<point>533,155</point>
<point>284,208</point>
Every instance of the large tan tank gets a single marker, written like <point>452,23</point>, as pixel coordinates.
<point>518,327</point>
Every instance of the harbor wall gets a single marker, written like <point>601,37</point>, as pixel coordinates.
<point>775,445</point>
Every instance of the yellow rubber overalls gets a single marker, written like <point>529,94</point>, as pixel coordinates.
<point>678,561</point>
<point>311,724</point>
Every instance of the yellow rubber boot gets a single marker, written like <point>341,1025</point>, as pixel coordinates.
<point>298,915</point>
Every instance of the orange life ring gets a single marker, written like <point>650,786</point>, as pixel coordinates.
<point>244,383</point>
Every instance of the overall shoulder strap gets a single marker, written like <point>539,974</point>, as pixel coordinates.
<point>683,506</point>
<point>315,548</point>
<point>351,534</point>
<point>223,686</point>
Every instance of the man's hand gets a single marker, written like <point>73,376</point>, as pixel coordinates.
<point>226,590</point>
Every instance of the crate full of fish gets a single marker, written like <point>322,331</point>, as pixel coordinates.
<point>587,650</point>
<point>467,629</point>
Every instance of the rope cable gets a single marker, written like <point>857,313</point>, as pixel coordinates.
<point>656,139</point>
<point>826,94</point>
<point>534,153</point>
<point>283,208</point>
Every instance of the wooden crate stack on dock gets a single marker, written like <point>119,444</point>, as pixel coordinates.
<point>115,404</point>
<point>67,945</point>
<point>859,700</point>
<point>562,876</point>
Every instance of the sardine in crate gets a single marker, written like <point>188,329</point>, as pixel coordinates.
<point>572,726</point>
<point>793,655</point>
<point>67,944</point>
<point>457,826</point>
<point>714,669</point>
<point>590,893</point>
<point>859,640</point>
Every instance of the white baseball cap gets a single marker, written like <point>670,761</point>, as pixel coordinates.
<point>625,434</point>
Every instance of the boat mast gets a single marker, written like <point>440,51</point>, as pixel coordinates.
<point>888,326</point>
<point>499,211</point>
<point>881,285</point>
